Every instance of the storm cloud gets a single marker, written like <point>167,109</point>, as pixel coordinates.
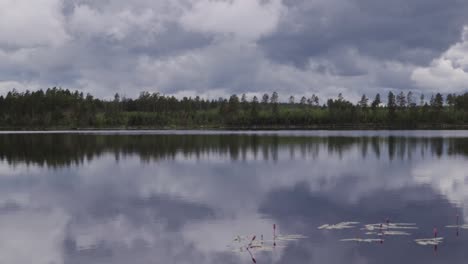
<point>216,48</point>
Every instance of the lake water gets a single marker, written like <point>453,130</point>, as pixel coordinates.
<point>184,197</point>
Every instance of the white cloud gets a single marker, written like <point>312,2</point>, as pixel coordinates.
<point>447,177</point>
<point>40,234</point>
<point>91,22</point>
<point>246,19</point>
<point>6,86</point>
<point>25,23</point>
<point>449,72</point>
<point>223,66</point>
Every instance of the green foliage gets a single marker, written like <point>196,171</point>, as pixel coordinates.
<point>59,108</point>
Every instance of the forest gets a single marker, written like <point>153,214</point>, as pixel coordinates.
<point>57,108</point>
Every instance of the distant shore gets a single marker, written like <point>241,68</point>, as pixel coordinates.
<point>59,109</point>
<point>260,128</point>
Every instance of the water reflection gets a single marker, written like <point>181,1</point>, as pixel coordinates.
<point>56,150</point>
<point>83,198</point>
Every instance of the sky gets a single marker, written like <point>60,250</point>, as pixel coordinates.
<point>216,48</point>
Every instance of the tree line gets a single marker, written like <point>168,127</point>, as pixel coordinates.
<point>62,108</point>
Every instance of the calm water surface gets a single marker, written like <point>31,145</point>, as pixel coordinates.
<point>182,197</point>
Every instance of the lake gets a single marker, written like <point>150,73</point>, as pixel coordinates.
<point>233,197</point>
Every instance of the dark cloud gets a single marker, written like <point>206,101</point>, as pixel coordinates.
<point>172,41</point>
<point>9,206</point>
<point>407,31</point>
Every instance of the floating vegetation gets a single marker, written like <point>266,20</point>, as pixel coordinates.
<point>379,229</point>
<point>236,249</point>
<point>362,240</point>
<point>254,247</point>
<point>386,226</point>
<point>289,237</point>
<point>261,248</point>
<point>389,229</point>
<point>250,243</point>
<point>342,225</point>
<point>389,233</point>
<point>429,241</point>
<point>396,233</point>
<point>465,226</point>
<point>239,238</point>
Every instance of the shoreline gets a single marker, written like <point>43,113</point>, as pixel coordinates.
<point>335,127</point>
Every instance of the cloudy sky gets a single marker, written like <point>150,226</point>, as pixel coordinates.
<point>220,47</point>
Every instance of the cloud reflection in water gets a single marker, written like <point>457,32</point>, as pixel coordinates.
<point>178,199</point>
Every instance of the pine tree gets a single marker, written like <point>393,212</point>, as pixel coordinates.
<point>376,102</point>
<point>391,105</point>
<point>244,102</point>
<point>401,100</point>
<point>410,99</point>
<point>303,100</point>
<point>315,100</point>
<point>439,101</point>
<point>233,104</point>
<point>254,107</point>
<point>363,102</point>
<point>274,101</point>
<point>265,99</point>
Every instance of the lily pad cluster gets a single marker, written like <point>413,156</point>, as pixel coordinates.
<point>376,233</point>
<point>252,243</point>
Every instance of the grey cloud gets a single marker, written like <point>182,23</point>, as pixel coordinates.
<point>9,206</point>
<point>213,48</point>
<point>172,41</point>
<point>173,211</point>
<point>407,31</point>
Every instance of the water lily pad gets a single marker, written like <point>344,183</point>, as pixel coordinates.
<point>362,240</point>
<point>429,241</point>
<point>342,225</point>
